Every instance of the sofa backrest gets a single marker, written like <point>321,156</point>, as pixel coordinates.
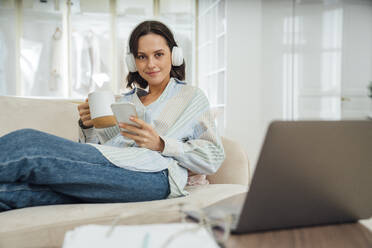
<point>60,117</point>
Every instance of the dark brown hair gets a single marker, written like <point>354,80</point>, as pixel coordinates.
<point>154,27</point>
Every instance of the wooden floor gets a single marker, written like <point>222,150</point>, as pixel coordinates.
<point>340,236</point>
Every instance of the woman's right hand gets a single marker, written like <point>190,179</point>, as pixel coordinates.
<point>84,113</point>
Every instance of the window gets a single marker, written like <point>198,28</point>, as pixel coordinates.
<point>8,48</point>
<point>68,48</point>
<point>212,56</point>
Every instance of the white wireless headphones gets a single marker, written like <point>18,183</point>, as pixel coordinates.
<point>177,58</point>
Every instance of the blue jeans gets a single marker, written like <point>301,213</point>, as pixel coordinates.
<point>37,168</point>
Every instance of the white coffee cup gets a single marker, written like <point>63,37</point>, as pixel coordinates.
<point>100,108</point>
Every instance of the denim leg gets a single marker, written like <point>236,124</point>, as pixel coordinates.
<point>74,169</point>
<point>20,195</point>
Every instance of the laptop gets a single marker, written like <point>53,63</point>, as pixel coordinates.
<point>308,173</point>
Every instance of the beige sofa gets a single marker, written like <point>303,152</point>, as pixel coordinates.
<point>45,226</point>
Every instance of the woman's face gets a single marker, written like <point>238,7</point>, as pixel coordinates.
<point>153,60</point>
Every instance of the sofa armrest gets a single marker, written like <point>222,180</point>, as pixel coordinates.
<point>235,168</point>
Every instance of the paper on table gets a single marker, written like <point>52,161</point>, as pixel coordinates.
<point>141,236</point>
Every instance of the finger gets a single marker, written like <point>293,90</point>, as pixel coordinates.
<point>131,128</point>
<point>88,123</point>
<point>86,117</point>
<point>84,112</point>
<point>138,139</point>
<point>140,122</point>
<point>83,106</point>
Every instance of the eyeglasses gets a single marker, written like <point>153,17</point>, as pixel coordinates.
<point>217,224</point>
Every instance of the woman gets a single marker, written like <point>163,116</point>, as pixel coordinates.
<point>176,133</point>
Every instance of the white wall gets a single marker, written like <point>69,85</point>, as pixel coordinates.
<point>274,71</point>
<point>244,89</point>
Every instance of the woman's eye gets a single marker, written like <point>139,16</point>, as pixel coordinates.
<point>159,54</point>
<point>140,57</point>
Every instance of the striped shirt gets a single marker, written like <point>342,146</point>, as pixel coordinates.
<point>182,118</point>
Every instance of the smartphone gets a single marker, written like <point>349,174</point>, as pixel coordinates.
<point>123,111</point>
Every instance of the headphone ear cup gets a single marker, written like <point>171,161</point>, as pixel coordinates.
<point>177,56</point>
<point>131,63</point>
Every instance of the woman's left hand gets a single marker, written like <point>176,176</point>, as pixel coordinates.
<point>145,136</point>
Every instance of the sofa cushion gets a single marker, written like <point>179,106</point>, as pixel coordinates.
<point>235,168</point>
<point>45,226</point>
<point>58,117</point>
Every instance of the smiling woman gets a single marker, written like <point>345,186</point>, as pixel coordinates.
<point>151,65</point>
<point>174,134</point>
